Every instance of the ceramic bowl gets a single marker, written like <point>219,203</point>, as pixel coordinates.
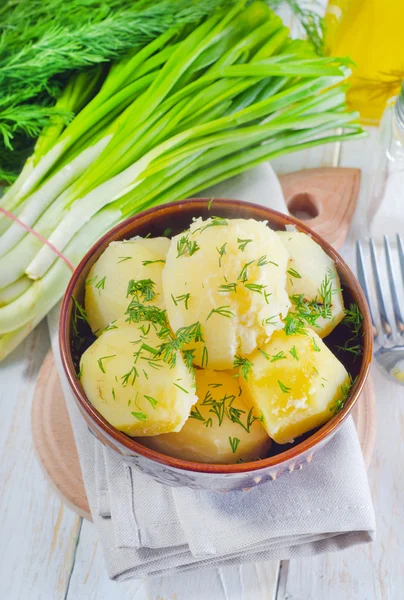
<point>165,469</point>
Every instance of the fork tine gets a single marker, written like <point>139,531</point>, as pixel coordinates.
<point>400,245</point>
<point>398,315</point>
<point>363,280</point>
<point>386,326</point>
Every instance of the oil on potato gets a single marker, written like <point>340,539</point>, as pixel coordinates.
<point>213,433</point>
<point>295,381</point>
<point>107,283</point>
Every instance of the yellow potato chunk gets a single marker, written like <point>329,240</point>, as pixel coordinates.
<point>295,382</point>
<point>107,283</point>
<point>133,389</point>
<point>318,275</point>
<point>229,275</point>
<point>213,433</point>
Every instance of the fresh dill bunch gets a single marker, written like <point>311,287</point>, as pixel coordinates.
<point>42,43</point>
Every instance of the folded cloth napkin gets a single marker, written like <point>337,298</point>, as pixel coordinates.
<point>148,529</point>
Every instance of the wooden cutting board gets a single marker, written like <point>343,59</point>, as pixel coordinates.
<point>325,198</point>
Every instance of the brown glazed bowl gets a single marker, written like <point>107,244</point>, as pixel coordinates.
<point>173,471</point>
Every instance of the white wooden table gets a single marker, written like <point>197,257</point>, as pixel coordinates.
<point>49,553</point>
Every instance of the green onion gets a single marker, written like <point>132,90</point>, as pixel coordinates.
<point>193,107</point>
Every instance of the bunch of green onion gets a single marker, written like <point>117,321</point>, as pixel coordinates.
<point>190,109</point>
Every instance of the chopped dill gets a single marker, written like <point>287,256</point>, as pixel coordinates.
<point>284,388</point>
<point>100,285</point>
<point>142,289</point>
<point>124,258</point>
<point>243,364</point>
<point>196,414</point>
<point>110,326</point>
<point>243,275</point>
<point>132,373</point>
<point>181,388</point>
<point>101,366</point>
<point>345,391</point>
<point>145,263</point>
<point>255,287</point>
<point>243,243</point>
<point>223,311</point>
<point>293,352</point>
<point>279,356</point>
<point>222,252</point>
<point>294,273</point>
<point>205,358</point>
<point>185,247</point>
<point>228,287</point>
<point>315,346</point>
<point>234,442</point>
<point>152,400</point>
<point>139,415</point>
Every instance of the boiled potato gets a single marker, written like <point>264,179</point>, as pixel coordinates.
<point>203,438</point>
<point>106,286</point>
<point>230,276</point>
<point>315,268</point>
<point>134,390</point>
<point>295,381</point>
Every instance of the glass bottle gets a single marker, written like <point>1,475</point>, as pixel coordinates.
<point>386,194</point>
<point>370,32</point>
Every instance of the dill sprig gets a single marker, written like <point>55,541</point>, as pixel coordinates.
<point>294,273</point>
<point>234,442</point>
<point>345,392</point>
<point>146,263</point>
<point>142,289</point>
<point>215,222</point>
<point>223,311</point>
<point>353,321</point>
<point>279,356</point>
<point>41,43</point>
<point>222,252</point>
<point>243,364</point>
<point>243,243</point>
<point>255,287</point>
<point>293,352</point>
<point>243,275</point>
<point>228,287</point>
<point>353,318</point>
<point>100,285</point>
<point>186,247</point>
<point>284,388</point>
<point>100,363</point>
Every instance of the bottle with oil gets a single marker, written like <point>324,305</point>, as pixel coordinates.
<point>371,33</point>
<point>386,194</point>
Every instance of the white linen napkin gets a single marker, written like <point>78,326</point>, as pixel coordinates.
<point>148,529</point>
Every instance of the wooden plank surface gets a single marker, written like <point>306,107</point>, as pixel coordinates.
<point>38,533</point>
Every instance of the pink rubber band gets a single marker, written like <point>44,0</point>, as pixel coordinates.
<point>39,236</point>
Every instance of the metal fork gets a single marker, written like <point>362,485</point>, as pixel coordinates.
<point>388,332</point>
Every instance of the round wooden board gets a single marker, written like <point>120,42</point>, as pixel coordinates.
<point>56,449</point>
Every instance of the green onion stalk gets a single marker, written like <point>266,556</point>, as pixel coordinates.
<point>190,109</point>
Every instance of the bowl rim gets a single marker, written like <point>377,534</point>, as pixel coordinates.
<point>133,446</point>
